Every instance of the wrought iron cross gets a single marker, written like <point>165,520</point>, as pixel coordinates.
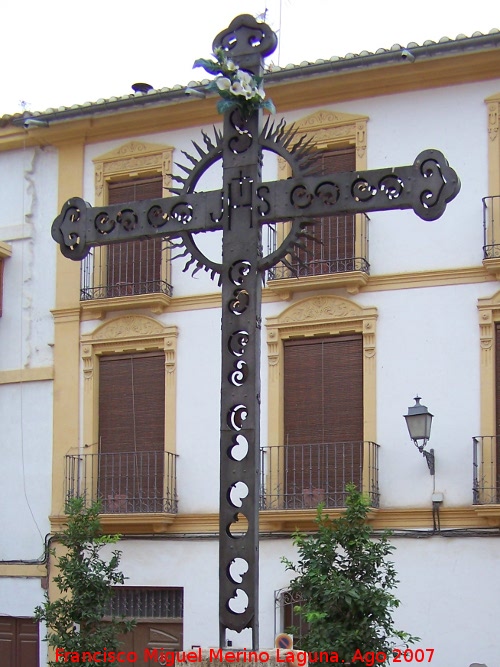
<point>240,209</point>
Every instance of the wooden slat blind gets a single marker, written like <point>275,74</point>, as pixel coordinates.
<point>134,267</point>
<point>335,234</point>
<point>323,411</point>
<point>131,432</point>
<point>324,389</point>
<point>132,402</point>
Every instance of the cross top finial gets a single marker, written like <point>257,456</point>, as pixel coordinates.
<point>246,36</point>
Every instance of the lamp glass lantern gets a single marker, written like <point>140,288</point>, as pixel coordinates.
<point>419,422</point>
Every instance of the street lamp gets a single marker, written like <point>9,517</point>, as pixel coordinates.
<point>419,421</point>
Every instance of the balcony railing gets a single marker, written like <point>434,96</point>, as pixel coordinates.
<point>125,269</point>
<point>486,470</point>
<point>491,221</point>
<point>302,476</point>
<point>127,482</point>
<point>340,245</point>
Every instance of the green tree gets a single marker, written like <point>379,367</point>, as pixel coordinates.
<point>75,620</point>
<point>345,583</point>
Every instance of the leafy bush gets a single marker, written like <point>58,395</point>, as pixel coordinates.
<point>346,584</point>
<point>85,580</point>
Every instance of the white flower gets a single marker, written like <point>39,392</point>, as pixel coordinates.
<point>236,88</point>
<point>230,66</point>
<point>243,90</point>
<point>245,77</point>
<point>261,92</point>
<point>223,83</point>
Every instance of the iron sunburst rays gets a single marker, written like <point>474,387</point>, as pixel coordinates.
<point>275,137</point>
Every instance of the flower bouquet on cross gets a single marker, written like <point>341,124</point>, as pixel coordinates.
<point>236,87</point>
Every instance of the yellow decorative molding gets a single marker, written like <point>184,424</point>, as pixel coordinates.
<point>432,278</point>
<point>353,281</point>
<point>282,290</point>
<point>130,160</point>
<point>125,524</point>
<point>96,309</point>
<point>69,315</point>
<point>287,521</point>
<point>383,282</point>
<point>493,223</point>
<point>5,249</point>
<point>489,513</point>
<point>489,314</point>
<point>37,374</point>
<point>129,327</point>
<point>197,301</point>
<point>320,315</point>
<point>328,128</point>
<point>25,570</point>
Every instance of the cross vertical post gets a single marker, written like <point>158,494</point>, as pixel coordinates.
<point>240,380</point>
<point>241,321</point>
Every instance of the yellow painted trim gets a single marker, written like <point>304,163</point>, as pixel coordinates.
<point>287,521</point>
<point>27,375</point>
<point>493,231</point>
<point>489,314</point>
<point>156,303</point>
<point>493,104</point>
<point>385,282</point>
<point>66,332</point>
<point>353,281</point>
<point>282,290</point>
<point>433,278</point>
<point>36,570</point>
<point>320,316</point>
<point>5,249</point>
<point>96,309</point>
<point>489,513</point>
<point>302,92</point>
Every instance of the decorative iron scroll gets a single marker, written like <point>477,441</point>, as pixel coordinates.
<point>239,210</point>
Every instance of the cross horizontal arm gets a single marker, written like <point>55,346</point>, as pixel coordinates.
<point>426,187</point>
<point>81,226</point>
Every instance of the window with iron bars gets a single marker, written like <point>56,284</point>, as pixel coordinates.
<point>132,267</point>
<point>144,602</point>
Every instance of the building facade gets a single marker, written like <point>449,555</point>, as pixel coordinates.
<point>110,368</point>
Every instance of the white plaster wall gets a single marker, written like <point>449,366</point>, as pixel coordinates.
<point>428,344</point>
<point>447,601</point>
<point>27,210</point>
<point>198,409</point>
<point>26,455</point>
